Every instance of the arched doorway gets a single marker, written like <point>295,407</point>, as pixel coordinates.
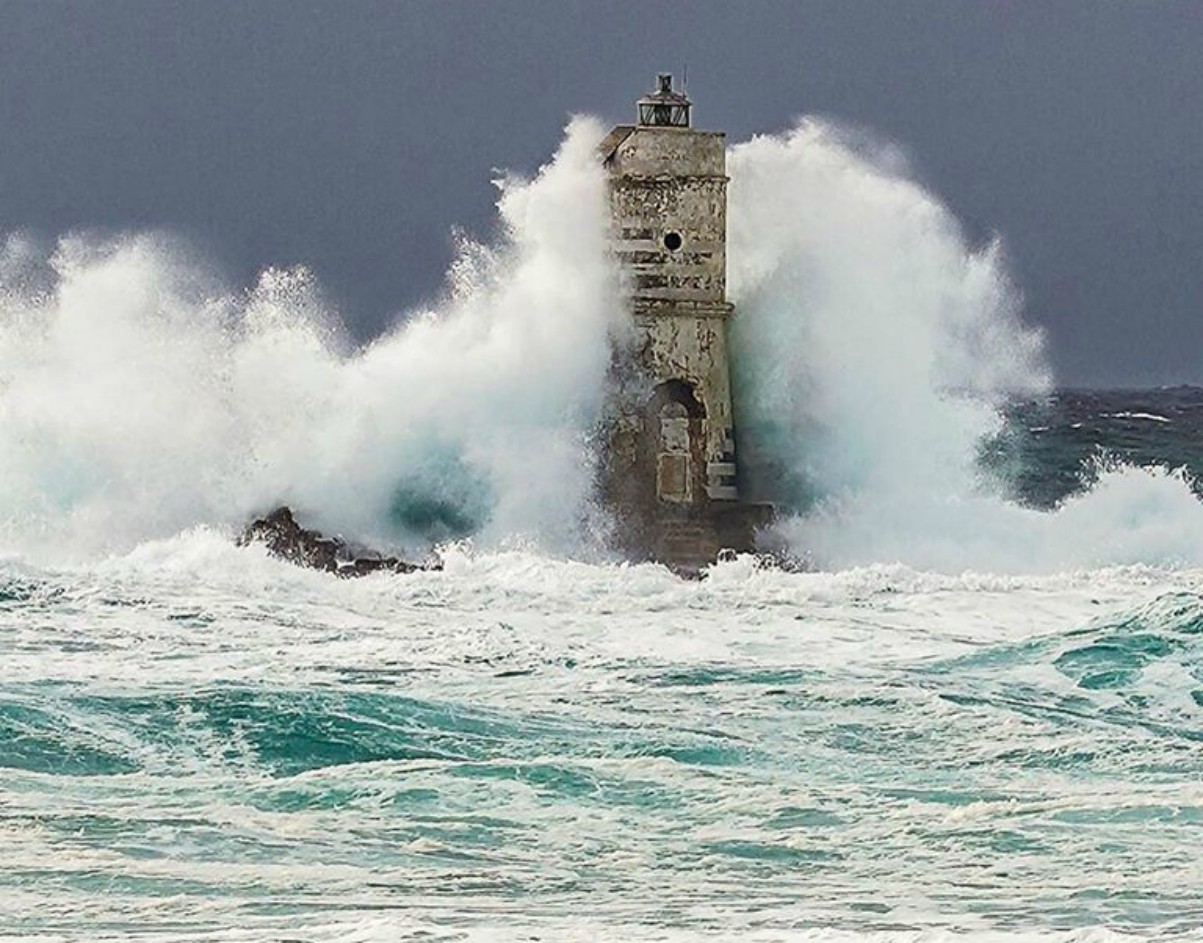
<point>673,430</point>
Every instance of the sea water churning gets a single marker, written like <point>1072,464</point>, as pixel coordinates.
<point>199,742</point>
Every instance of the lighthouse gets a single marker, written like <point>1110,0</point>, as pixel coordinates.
<point>671,473</point>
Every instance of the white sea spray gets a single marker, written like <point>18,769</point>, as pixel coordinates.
<point>873,351</point>
<point>873,348</point>
<point>139,397</point>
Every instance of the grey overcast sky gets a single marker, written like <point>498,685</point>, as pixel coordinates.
<point>352,136</point>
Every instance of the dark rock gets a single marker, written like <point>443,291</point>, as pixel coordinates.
<point>286,539</point>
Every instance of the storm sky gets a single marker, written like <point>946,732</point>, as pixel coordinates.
<point>354,136</point>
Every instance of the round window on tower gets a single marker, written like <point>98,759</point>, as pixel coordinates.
<point>672,241</point>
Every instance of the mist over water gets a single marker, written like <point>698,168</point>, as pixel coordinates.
<point>873,351</point>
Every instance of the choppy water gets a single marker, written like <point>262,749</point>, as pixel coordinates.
<point>522,742</point>
<point>980,718</point>
<point>198,742</point>
<point>1049,442</point>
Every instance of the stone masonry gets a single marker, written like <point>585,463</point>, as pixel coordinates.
<point>671,473</point>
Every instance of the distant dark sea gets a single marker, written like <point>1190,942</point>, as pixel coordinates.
<point>1051,445</point>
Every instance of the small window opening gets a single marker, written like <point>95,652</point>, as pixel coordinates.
<point>672,241</point>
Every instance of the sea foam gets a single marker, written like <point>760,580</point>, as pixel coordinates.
<point>873,348</point>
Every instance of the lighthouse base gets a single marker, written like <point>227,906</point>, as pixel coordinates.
<point>687,539</point>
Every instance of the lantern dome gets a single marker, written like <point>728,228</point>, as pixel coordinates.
<point>664,107</point>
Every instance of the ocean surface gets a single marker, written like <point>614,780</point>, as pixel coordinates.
<point>198,742</point>
<point>975,717</point>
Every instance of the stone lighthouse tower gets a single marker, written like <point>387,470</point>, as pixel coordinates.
<point>671,471</point>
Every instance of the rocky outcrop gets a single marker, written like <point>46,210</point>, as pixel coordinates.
<point>286,539</point>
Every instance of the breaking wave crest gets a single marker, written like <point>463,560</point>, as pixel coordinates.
<point>139,396</point>
<point>874,352</point>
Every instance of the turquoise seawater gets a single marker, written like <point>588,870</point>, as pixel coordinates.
<point>997,742</point>
<point>198,742</point>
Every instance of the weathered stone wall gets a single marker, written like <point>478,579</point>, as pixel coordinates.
<point>670,468</point>
<point>669,209</point>
<point>670,152</point>
<point>693,348</point>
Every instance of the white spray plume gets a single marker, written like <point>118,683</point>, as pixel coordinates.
<point>137,400</point>
<point>873,349</point>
